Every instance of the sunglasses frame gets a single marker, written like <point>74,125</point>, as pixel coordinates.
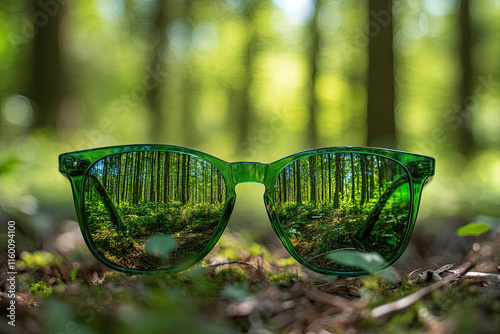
<point>76,166</point>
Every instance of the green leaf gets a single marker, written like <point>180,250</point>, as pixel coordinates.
<point>366,261</point>
<point>393,241</point>
<point>236,291</point>
<point>371,262</point>
<point>161,245</point>
<point>474,229</point>
<point>73,273</point>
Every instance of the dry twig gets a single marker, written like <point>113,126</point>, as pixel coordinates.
<point>388,310</point>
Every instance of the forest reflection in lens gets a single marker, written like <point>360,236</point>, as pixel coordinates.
<point>343,201</point>
<point>152,209</point>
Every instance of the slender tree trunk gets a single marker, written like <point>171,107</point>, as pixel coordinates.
<point>380,109</point>
<point>241,97</point>
<point>367,227</point>
<point>330,181</point>
<point>48,80</point>
<point>464,118</point>
<point>312,127</point>
<point>298,190</point>
<point>336,197</point>
<point>312,176</point>
<point>353,188</point>
<point>158,178</point>
<point>322,172</point>
<point>283,187</point>
<point>155,82</point>
<point>371,170</point>
<point>363,179</point>
<point>119,178</point>
<point>178,190</point>
<point>166,177</point>
<point>184,179</point>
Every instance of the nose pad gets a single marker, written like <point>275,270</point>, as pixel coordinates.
<point>249,213</point>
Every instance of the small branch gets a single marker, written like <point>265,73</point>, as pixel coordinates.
<point>489,278</point>
<point>229,263</point>
<point>329,299</point>
<point>389,309</point>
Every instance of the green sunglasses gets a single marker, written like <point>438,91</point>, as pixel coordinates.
<point>144,208</point>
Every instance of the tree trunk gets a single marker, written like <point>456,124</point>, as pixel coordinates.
<point>242,102</point>
<point>380,109</point>
<point>312,177</point>
<point>312,127</point>
<point>336,197</point>
<point>373,216</point>
<point>463,124</point>
<point>155,83</point>
<point>298,190</point>
<point>363,179</point>
<point>47,81</point>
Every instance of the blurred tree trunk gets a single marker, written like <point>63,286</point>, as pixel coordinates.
<point>47,78</point>
<point>380,109</point>
<point>463,116</point>
<point>156,66</point>
<point>312,127</point>
<point>189,86</point>
<point>241,96</point>
<point>336,197</point>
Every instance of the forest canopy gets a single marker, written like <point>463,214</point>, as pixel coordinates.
<point>253,80</point>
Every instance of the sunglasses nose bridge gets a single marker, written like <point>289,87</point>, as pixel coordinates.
<point>248,172</point>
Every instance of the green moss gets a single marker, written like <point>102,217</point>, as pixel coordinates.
<point>230,275</point>
<point>109,275</point>
<point>284,279</point>
<point>41,289</point>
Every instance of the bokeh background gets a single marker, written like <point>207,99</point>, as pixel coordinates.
<point>249,80</point>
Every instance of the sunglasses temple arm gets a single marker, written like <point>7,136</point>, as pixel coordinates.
<point>108,202</point>
<point>365,230</point>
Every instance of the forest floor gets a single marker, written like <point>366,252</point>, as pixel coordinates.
<point>444,284</point>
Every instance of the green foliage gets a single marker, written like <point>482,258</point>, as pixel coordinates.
<point>231,275</point>
<point>38,259</point>
<point>236,291</point>
<point>284,279</point>
<point>319,228</point>
<point>366,261</point>
<point>473,229</point>
<point>41,289</point>
<point>8,165</point>
<point>204,301</point>
<point>73,273</point>
<point>154,230</point>
<point>162,245</point>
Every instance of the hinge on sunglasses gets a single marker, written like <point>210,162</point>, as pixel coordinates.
<point>420,168</point>
<point>75,166</point>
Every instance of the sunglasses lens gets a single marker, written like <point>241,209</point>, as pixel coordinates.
<point>152,210</point>
<point>334,202</point>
